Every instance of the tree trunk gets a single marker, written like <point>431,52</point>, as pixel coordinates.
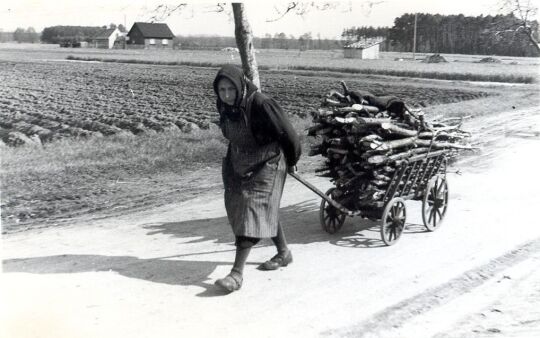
<point>529,33</point>
<point>244,42</point>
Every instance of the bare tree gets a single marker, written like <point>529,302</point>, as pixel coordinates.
<point>524,11</point>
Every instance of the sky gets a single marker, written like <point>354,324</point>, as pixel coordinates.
<point>200,18</point>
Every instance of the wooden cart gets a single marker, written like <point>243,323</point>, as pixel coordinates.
<point>421,178</point>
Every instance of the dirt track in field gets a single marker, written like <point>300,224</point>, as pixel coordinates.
<point>151,273</point>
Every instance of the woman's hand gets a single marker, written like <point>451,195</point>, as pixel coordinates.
<point>291,169</point>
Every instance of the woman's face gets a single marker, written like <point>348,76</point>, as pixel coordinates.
<point>227,91</point>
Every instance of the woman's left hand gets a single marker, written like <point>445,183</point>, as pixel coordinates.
<point>291,169</point>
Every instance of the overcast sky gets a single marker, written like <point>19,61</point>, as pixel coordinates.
<point>200,17</point>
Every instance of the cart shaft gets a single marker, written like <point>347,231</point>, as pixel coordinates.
<point>333,203</point>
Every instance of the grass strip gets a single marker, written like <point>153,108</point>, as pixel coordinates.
<point>512,78</point>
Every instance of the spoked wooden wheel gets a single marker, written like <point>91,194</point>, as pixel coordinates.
<point>393,220</point>
<point>331,218</point>
<point>435,202</point>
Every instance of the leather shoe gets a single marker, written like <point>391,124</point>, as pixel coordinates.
<point>279,260</point>
<point>231,282</point>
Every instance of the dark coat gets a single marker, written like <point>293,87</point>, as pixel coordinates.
<point>268,122</point>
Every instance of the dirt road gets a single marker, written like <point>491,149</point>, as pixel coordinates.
<point>151,274</point>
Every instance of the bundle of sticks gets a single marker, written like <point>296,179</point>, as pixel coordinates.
<point>365,138</point>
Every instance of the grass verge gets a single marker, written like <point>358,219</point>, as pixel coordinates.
<point>507,78</point>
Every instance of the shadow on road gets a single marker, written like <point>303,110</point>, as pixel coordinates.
<point>301,223</point>
<point>157,270</point>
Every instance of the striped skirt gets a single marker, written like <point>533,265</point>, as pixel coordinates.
<point>252,203</point>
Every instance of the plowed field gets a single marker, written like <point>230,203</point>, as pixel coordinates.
<point>53,100</point>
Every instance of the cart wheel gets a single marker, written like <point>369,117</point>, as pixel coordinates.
<point>435,202</point>
<point>393,220</point>
<point>331,219</point>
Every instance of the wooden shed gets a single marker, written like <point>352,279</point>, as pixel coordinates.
<point>106,38</point>
<point>150,35</point>
<point>363,49</point>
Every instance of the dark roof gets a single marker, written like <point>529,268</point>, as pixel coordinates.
<point>153,30</point>
<point>365,43</point>
<point>105,33</point>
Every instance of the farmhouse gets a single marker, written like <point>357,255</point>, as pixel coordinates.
<point>106,38</point>
<point>363,49</point>
<point>150,35</point>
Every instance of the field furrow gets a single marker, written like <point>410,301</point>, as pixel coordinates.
<point>48,101</point>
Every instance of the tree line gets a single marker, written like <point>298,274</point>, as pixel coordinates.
<point>485,35</point>
<point>28,35</point>
<point>453,34</point>
<point>277,41</point>
<point>56,34</point>
<point>59,34</point>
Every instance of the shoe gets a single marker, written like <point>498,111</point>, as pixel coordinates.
<point>277,261</point>
<point>231,282</point>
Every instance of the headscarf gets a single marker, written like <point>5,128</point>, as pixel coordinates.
<point>244,88</point>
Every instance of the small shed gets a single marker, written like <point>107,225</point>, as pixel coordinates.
<point>150,35</point>
<point>363,49</point>
<point>106,38</point>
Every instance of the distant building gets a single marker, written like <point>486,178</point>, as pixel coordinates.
<point>363,49</point>
<point>150,35</point>
<point>106,38</point>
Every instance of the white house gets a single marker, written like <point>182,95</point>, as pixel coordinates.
<point>106,38</point>
<point>363,49</point>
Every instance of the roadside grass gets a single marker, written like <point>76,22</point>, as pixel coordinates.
<point>511,99</point>
<point>444,73</point>
<point>70,174</point>
<point>148,153</point>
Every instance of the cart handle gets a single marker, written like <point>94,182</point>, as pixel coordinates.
<point>324,196</point>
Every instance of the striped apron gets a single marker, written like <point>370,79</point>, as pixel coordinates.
<point>253,178</point>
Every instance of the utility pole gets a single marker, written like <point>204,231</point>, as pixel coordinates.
<point>414,38</point>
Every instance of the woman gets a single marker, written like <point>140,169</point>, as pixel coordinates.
<point>262,146</point>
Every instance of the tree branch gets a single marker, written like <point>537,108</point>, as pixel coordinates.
<point>218,8</point>
<point>162,12</point>
<point>290,7</point>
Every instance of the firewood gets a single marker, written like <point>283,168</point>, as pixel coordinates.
<point>364,146</point>
<point>377,159</point>
<point>381,177</point>
<point>379,183</point>
<point>373,121</point>
<point>333,103</point>
<point>337,151</point>
<point>324,131</point>
<point>338,141</point>
<point>388,145</point>
<point>312,131</point>
<point>442,145</point>
<point>360,108</point>
<point>337,95</point>
<point>393,129</point>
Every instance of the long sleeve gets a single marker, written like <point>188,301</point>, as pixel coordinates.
<point>276,122</point>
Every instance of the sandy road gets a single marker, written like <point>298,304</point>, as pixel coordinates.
<point>151,274</point>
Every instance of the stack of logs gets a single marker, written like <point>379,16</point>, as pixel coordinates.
<point>365,138</point>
